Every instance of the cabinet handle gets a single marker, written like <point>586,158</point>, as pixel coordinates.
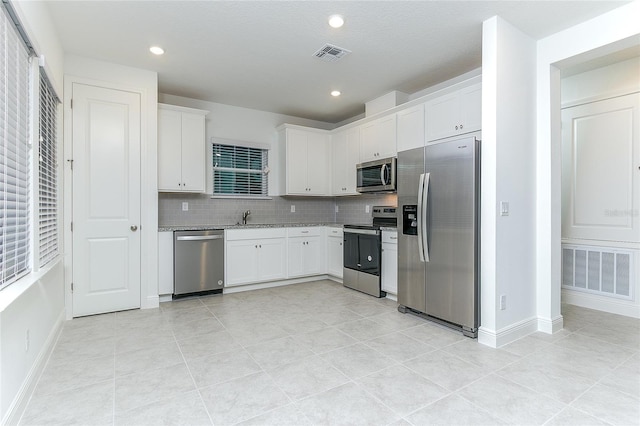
<point>134,228</point>
<point>260,246</point>
<point>304,232</point>
<point>461,127</point>
<point>393,238</point>
<point>456,127</point>
<point>256,246</point>
<point>179,184</point>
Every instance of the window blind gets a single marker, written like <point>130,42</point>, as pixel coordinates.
<point>240,170</point>
<point>14,153</point>
<point>48,174</point>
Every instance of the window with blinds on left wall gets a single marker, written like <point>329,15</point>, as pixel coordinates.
<point>26,215</point>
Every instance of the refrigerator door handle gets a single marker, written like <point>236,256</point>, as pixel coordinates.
<point>425,230</point>
<point>419,212</point>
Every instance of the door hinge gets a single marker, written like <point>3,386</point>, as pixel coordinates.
<point>71,287</point>
<point>71,226</point>
<point>71,163</point>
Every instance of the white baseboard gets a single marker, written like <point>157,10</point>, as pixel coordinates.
<point>507,334</point>
<point>271,284</point>
<point>19,403</point>
<point>150,302</point>
<point>601,303</point>
<point>550,326</point>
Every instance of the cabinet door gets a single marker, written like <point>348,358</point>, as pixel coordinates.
<point>169,150</point>
<point>165,262</point>
<point>352,159</point>
<point>442,117</point>
<point>334,256</point>
<point>386,136</point>
<point>390,268</point>
<point>339,163</point>
<point>272,260</point>
<point>368,142</point>
<point>318,151</point>
<point>193,153</point>
<point>241,262</point>
<point>295,256</point>
<point>313,256</point>
<point>471,109</point>
<point>600,178</point>
<point>296,162</point>
<point>410,124</point>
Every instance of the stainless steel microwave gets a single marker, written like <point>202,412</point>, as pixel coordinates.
<point>376,176</point>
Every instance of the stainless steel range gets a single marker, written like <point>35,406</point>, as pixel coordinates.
<point>362,252</point>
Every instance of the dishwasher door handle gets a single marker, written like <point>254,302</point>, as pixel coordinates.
<point>199,237</point>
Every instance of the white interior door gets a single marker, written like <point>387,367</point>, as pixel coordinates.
<point>106,200</point>
<point>601,168</point>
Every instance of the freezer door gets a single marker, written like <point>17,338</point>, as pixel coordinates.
<point>452,281</point>
<point>411,270</point>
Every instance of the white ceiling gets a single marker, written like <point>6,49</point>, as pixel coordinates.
<point>260,54</point>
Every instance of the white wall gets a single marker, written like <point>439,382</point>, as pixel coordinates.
<point>35,303</point>
<point>245,124</point>
<point>508,174</point>
<point>90,71</point>
<point>610,32</point>
<point>604,82</point>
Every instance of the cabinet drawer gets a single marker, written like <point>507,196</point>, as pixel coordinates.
<point>389,237</point>
<point>334,232</point>
<point>254,233</point>
<point>304,231</point>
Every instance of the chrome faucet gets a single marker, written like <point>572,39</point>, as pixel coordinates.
<point>244,216</point>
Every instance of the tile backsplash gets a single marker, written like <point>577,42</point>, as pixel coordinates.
<point>204,210</point>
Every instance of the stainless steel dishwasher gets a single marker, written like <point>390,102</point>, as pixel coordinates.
<point>198,262</point>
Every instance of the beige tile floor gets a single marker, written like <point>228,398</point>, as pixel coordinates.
<point>320,354</point>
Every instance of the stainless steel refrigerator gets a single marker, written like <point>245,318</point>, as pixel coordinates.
<point>438,232</point>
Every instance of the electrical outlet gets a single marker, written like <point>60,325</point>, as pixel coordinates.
<point>185,206</point>
<point>27,342</point>
<point>367,209</point>
<point>293,208</point>
<point>503,302</point>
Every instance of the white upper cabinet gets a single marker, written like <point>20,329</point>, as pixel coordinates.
<point>410,124</point>
<point>306,161</point>
<point>345,155</point>
<point>378,139</point>
<point>181,149</point>
<point>601,170</point>
<point>454,114</point>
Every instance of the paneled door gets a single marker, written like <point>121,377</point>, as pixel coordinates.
<point>106,199</point>
<point>601,170</point>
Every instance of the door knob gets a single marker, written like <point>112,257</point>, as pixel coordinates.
<point>134,228</point>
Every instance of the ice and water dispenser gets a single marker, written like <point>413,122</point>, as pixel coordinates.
<point>410,219</point>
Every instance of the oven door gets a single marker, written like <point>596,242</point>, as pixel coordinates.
<point>362,250</point>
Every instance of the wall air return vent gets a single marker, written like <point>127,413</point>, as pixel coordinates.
<point>599,270</point>
<point>331,53</point>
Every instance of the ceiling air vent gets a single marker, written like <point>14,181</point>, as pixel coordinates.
<point>331,53</point>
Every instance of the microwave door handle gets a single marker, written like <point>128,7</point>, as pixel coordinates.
<point>383,174</point>
<point>425,230</point>
<point>419,212</point>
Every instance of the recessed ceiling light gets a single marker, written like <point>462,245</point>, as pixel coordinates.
<point>335,93</point>
<point>336,21</point>
<point>156,50</point>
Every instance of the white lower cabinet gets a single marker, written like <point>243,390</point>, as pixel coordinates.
<point>305,251</point>
<point>165,262</point>
<point>255,255</point>
<point>390,262</point>
<point>334,252</point>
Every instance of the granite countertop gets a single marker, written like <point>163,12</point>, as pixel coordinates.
<point>247,226</point>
